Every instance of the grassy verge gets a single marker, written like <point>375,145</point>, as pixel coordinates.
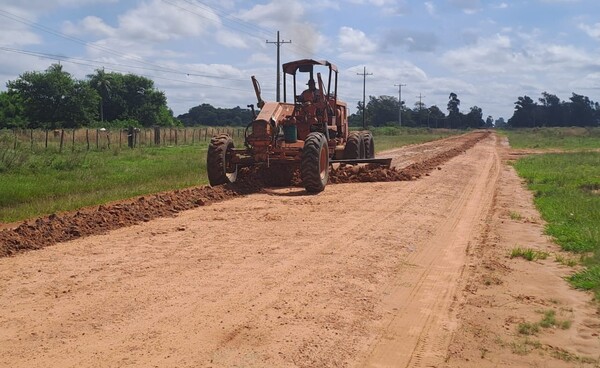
<point>33,184</point>
<point>567,193</point>
<point>560,138</point>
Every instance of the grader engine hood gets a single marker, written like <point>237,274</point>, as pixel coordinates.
<point>275,112</point>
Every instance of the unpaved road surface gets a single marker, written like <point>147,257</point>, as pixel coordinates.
<point>385,274</point>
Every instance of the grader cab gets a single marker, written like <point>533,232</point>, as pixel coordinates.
<point>308,132</point>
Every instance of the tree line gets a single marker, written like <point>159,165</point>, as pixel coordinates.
<point>550,111</point>
<point>385,110</point>
<point>55,99</point>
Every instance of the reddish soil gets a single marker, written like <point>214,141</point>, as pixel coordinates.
<point>410,273</point>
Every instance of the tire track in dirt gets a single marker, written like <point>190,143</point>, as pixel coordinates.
<point>427,292</point>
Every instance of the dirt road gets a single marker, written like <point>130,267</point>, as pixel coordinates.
<point>364,274</point>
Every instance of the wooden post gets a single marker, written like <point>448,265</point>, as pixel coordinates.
<point>87,138</point>
<point>120,136</point>
<point>108,139</point>
<point>176,131</point>
<point>73,141</point>
<point>46,146</point>
<point>31,134</point>
<point>184,135</point>
<point>62,138</point>
<point>97,139</point>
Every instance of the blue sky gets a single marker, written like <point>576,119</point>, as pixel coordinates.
<point>204,51</point>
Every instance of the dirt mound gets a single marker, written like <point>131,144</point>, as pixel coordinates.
<point>370,173</point>
<point>59,228</point>
<point>55,228</point>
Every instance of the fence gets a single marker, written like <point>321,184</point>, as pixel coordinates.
<point>102,139</point>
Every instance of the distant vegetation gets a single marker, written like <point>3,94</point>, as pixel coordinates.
<point>53,99</point>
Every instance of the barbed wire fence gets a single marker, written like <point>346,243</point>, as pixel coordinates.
<point>79,139</point>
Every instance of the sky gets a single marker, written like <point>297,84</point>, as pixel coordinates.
<point>205,51</point>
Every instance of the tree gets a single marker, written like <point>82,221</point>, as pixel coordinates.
<point>436,116</point>
<point>453,111</point>
<point>582,111</point>
<point>101,82</point>
<point>474,118</point>
<point>11,111</point>
<point>525,113</point>
<point>489,122</point>
<point>54,99</point>
<point>206,114</point>
<point>382,110</point>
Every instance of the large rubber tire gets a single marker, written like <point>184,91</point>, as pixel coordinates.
<point>314,168</point>
<point>354,147</point>
<point>369,144</point>
<point>218,165</point>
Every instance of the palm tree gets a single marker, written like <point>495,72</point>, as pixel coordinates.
<point>101,83</point>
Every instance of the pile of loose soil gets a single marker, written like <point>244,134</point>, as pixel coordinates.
<point>371,173</point>
<point>45,231</point>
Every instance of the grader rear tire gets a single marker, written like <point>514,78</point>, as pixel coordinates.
<point>369,144</point>
<point>314,168</point>
<point>218,161</point>
<point>355,147</point>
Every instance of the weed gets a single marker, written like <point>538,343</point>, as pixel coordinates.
<point>515,216</point>
<point>549,319</point>
<point>525,346</point>
<point>528,254</point>
<point>527,328</point>
<point>565,261</point>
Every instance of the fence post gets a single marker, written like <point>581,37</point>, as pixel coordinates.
<point>156,136</point>
<point>62,138</point>
<point>176,134</point>
<point>130,137</point>
<point>97,139</point>
<point>108,139</point>
<point>31,134</point>
<point>46,146</point>
<point>87,138</point>
<point>184,135</point>
<point>73,141</point>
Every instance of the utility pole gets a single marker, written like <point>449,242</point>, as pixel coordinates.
<point>278,43</point>
<point>420,96</point>
<point>364,74</point>
<point>400,102</point>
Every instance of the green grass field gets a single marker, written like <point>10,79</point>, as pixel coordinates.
<point>41,182</point>
<point>555,138</point>
<point>567,193</point>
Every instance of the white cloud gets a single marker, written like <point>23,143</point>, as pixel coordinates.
<point>591,30</point>
<point>354,44</point>
<point>90,24</point>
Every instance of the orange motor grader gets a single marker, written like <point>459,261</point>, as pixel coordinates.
<point>309,132</point>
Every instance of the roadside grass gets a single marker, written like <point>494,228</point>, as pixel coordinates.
<point>43,181</point>
<point>573,138</point>
<point>528,254</point>
<point>564,188</point>
<point>39,183</point>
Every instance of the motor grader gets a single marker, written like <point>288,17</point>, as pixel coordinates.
<point>310,132</point>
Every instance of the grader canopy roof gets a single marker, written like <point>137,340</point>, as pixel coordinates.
<point>292,67</point>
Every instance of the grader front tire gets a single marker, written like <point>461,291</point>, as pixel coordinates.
<point>314,168</point>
